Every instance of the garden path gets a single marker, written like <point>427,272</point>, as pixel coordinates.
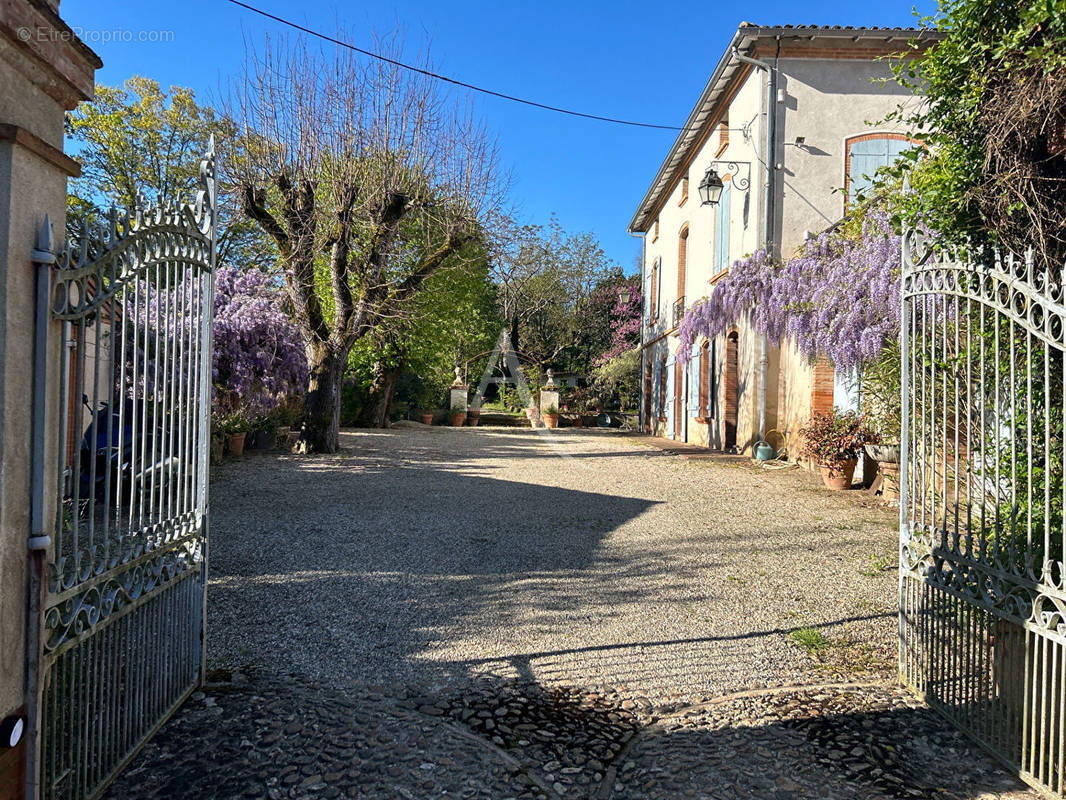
<point>500,613</point>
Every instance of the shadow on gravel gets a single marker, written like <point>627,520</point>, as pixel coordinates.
<point>348,568</point>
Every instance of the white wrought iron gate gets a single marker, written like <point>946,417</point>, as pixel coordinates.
<point>121,621</point>
<point>982,595</point>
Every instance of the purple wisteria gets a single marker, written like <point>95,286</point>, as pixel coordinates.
<point>625,322</point>
<point>259,357</point>
<point>839,297</point>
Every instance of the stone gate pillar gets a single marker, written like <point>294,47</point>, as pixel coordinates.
<point>44,71</point>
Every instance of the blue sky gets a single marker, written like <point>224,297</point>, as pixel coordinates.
<point>641,61</point>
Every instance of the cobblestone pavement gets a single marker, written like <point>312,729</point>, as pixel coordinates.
<point>270,738</point>
<point>493,614</point>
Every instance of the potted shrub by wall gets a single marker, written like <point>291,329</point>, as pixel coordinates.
<point>833,440</point>
<point>266,433</point>
<point>456,417</point>
<point>551,417</point>
<point>236,426</point>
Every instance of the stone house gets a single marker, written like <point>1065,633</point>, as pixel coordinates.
<point>787,121</point>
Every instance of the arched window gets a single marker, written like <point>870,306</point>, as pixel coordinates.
<point>864,154</point>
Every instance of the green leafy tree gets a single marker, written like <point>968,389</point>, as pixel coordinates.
<point>138,143</point>
<point>547,278</point>
<point>452,318</point>
<point>993,126</point>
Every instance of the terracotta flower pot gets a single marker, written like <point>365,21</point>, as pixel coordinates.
<point>551,420</point>
<point>839,476</point>
<point>236,443</point>
<point>472,418</point>
<point>577,422</point>
<point>426,419</point>
<point>457,420</point>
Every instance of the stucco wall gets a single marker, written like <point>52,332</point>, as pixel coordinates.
<point>40,77</point>
<point>825,101</point>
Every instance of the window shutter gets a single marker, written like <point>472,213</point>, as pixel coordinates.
<point>712,383</point>
<point>694,381</point>
<point>671,410</point>
<point>721,231</point>
<point>657,395</point>
<point>659,284</point>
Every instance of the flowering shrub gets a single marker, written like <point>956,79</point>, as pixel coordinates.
<point>839,297</point>
<point>625,322</point>
<point>833,438</point>
<point>259,357</point>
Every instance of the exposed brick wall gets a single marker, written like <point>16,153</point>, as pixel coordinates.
<point>822,387</point>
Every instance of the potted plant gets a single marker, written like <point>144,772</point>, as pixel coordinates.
<point>235,425</point>
<point>456,417</point>
<point>473,413</point>
<point>266,433</point>
<point>834,440</point>
<point>551,416</point>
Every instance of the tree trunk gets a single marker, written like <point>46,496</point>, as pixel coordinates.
<point>382,389</point>
<point>384,406</point>
<point>323,404</point>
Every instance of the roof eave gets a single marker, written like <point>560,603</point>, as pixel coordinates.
<point>745,36</point>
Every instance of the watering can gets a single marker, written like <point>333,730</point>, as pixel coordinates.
<point>764,451</point>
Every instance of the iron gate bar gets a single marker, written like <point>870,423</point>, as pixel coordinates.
<point>120,626</point>
<point>982,627</point>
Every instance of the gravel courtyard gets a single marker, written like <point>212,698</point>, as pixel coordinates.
<point>428,556</point>
<point>503,613</point>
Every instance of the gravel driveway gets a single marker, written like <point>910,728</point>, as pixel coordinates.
<point>428,556</point>
<point>497,613</point>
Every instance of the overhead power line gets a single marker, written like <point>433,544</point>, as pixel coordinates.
<point>472,87</point>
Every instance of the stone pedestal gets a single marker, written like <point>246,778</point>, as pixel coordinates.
<point>457,397</point>
<point>549,396</point>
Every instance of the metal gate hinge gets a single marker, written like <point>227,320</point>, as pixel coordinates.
<point>39,542</point>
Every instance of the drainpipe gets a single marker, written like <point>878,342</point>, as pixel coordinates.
<point>768,202</point>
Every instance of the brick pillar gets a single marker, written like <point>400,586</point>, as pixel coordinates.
<point>822,387</point>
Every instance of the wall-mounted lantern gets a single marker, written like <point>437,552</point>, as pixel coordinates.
<point>711,186</point>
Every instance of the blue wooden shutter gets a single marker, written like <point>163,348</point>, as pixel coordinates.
<point>647,292</point>
<point>866,157</point>
<point>659,286</point>
<point>670,404</point>
<point>656,402</point>
<point>721,231</point>
<point>694,381</point>
<point>712,384</point>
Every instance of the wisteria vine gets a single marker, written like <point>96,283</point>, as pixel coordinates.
<point>839,297</point>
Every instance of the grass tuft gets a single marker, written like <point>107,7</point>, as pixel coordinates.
<point>810,639</point>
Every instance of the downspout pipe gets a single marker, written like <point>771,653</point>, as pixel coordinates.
<point>770,128</point>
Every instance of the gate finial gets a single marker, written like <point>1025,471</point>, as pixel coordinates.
<point>43,250</point>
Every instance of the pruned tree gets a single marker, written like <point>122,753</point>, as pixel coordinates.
<point>368,179</point>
